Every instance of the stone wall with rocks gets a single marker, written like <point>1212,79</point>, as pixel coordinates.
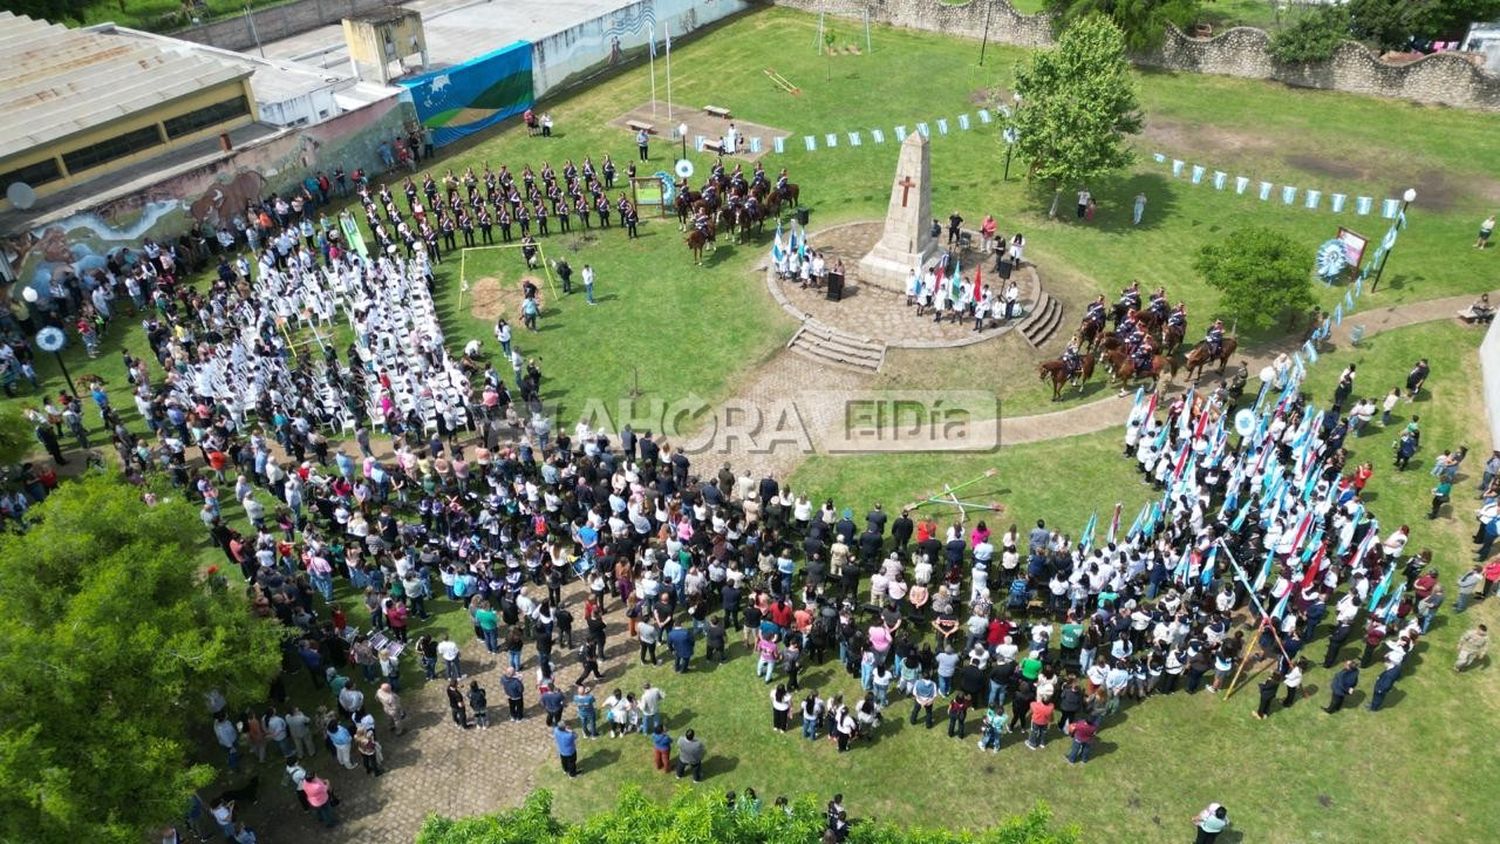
<point>1441,78</point>
<point>1007,26</point>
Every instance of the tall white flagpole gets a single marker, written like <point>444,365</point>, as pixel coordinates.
<point>653,70</point>
<point>668,27</point>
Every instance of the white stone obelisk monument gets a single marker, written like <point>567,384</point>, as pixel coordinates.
<point>907,242</point>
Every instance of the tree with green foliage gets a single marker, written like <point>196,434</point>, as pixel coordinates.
<point>704,815</point>
<point>1260,274</point>
<point>1313,36</point>
<point>1143,22</point>
<point>1392,24</point>
<point>1078,104</point>
<point>16,435</point>
<point>110,638</point>
<point>57,11</point>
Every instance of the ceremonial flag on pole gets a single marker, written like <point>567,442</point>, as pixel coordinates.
<point>1086,539</point>
<point>1281,606</point>
<point>1385,585</point>
<point>1135,406</point>
<point>978,283</point>
<point>792,245</point>
<point>1208,565</point>
<point>1239,519</point>
<point>1114,523</point>
<point>653,69</point>
<point>1184,564</point>
<point>778,248</point>
<point>1265,571</point>
<point>1393,603</point>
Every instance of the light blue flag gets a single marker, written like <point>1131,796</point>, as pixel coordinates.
<point>1281,605</point>
<point>1380,591</point>
<point>1311,199</point>
<point>1197,174</point>
<point>1239,519</point>
<point>1207,576</point>
<point>900,134</point>
<point>1338,314</point>
<point>1393,604</point>
<point>698,142</point>
<point>1159,157</point>
<point>778,250</point>
<point>854,139</point>
<point>1359,286</point>
<point>1312,351</point>
<point>1389,208</point>
<point>922,127</point>
<point>810,142</point>
<point>984,116</point>
<point>1177,165</point>
<point>963,122</point>
<point>942,125</point>
<point>1265,571</point>
<point>755,145</point>
<point>831,140</point>
<point>1220,177</point>
<point>1362,205</point>
<point>1288,194</point>
<point>1265,191</point>
<point>779,144</point>
<point>792,245</point>
<point>877,135</point>
<point>1349,301</point>
<point>1337,202</point>
<point>1240,184</point>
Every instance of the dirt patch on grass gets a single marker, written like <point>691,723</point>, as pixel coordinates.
<point>1326,167</point>
<point>490,298</point>
<point>1196,136</point>
<point>486,299</point>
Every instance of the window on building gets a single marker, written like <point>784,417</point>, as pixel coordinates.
<point>35,175</point>
<point>117,147</point>
<point>200,119</point>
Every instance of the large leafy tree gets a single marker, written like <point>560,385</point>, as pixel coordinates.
<point>703,816</point>
<point>16,438</point>
<point>1077,106</point>
<point>1260,274</point>
<point>1142,22</point>
<point>1392,24</point>
<point>109,640</point>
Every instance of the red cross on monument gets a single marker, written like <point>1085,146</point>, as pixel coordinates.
<point>906,183</point>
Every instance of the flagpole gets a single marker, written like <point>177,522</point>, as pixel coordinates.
<point>653,70</point>
<point>668,30</point>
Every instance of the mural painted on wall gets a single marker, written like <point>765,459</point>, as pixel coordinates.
<point>463,99</point>
<point>215,195</point>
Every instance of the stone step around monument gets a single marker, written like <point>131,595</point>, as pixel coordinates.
<point>824,344</point>
<point>1043,321</point>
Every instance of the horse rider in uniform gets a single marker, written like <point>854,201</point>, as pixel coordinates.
<point>782,189</point>
<point>1215,338</point>
<point>1144,354</point>
<point>1178,318</point>
<point>1072,360</point>
<point>1096,313</point>
<point>1158,306</point>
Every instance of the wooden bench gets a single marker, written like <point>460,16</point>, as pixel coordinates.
<point>718,111</point>
<point>642,126</point>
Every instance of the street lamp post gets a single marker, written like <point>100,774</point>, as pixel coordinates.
<point>30,295</point>
<point>1406,199</point>
<point>682,130</point>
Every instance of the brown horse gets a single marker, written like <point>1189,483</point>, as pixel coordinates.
<point>1058,371</point>
<point>696,241</point>
<point>1200,356</point>
<point>1090,333</point>
<point>1171,338</point>
<point>684,202</point>
<point>1122,364</point>
<point>776,199</point>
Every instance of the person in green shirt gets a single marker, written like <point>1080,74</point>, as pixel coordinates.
<point>1440,494</point>
<point>1031,666</point>
<point>1210,822</point>
<point>487,621</point>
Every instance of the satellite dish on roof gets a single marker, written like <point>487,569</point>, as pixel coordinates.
<point>21,195</point>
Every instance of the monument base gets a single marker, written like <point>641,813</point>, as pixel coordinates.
<point>885,267</point>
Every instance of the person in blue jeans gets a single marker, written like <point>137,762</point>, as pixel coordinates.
<point>923,693</point>
<point>588,712</point>
<point>1084,733</point>
<point>811,714</point>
